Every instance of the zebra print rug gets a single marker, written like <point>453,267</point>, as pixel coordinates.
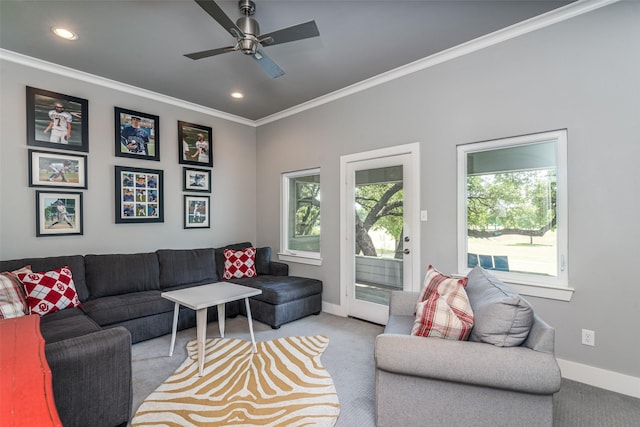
<point>284,384</point>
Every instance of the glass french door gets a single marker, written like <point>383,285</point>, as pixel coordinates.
<point>379,257</point>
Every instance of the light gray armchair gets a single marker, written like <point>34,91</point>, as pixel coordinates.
<point>433,381</point>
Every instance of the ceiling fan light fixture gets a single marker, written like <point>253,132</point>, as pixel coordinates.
<point>64,33</point>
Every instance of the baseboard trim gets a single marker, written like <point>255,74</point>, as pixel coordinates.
<point>597,377</point>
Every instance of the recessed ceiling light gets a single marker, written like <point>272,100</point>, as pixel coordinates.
<point>237,95</point>
<point>64,33</point>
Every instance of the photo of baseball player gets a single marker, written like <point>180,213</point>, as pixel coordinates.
<point>60,124</point>
<point>137,135</point>
<point>58,170</point>
<point>61,215</point>
<point>57,119</point>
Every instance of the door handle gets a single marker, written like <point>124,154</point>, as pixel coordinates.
<point>405,251</point>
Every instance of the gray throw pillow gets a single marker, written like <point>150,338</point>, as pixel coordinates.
<point>501,316</point>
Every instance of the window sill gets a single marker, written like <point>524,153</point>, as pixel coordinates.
<point>542,291</point>
<point>559,293</point>
<point>302,259</point>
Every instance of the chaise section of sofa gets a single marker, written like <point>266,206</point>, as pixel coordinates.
<point>284,298</point>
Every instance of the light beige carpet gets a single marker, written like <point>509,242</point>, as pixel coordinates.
<point>284,384</point>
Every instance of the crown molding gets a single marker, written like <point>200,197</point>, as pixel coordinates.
<point>553,17</point>
<point>119,86</point>
<point>541,21</point>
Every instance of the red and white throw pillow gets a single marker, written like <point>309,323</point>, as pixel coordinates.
<point>238,264</point>
<point>13,301</point>
<point>50,291</point>
<point>443,309</point>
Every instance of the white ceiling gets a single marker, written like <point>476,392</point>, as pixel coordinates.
<point>142,43</point>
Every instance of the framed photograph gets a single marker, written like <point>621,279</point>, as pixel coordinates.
<point>137,135</point>
<point>139,195</point>
<point>48,169</point>
<point>195,145</point>
<point>197,211</point>
<point>196,180</point>
<point>57,121</point>
<point>58,213</point>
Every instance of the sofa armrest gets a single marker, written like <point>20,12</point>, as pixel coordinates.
<point>91,377</point>
<point>403,303</point>
<point>278,268</point>
<point>511,368</point>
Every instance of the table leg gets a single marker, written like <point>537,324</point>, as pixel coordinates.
<point>221,318</point>
<point>201,326</point>
<point>253,340</point>
<point>176,309</point>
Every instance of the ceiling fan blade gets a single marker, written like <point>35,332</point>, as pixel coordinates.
<point>210,52</point>
<point>285,35</point>
<point>212,8</point>
<point>267,64</point>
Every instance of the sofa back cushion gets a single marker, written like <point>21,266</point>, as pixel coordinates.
<point>185,266</point>
<point>75,263</point>
<point>117,274</point>
<point>502,317</point>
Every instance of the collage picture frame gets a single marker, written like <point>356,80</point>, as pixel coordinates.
<point>139,195</point>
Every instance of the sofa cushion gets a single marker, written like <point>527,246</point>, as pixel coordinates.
<point>445,312</point>
<point>120,308</point>
<point>13,300</point>
<point>281,289</point>
<point>182,266</point>
<point>239,264</point>
<point>220,254</point>
<point>65,324</point>
<point>263,260</point>
<point>117,274</point>
<point>50,291</point>
<point>502,317</point>
<point>75,262</point>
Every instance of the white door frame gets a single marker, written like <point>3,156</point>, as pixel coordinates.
<point>346,211</point>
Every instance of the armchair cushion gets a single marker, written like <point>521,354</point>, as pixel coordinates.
<point>502,317</point>
<point>445,312</point>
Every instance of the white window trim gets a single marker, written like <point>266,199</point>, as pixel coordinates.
<point>285,254</point>
<point>552,288</point>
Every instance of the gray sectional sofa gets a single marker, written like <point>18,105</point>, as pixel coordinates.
<point>88,348</point>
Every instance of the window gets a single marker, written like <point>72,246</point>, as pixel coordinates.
<point>300,228</point>
<point>512,211</point>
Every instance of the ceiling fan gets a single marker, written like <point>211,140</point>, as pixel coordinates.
<point>248,38</point>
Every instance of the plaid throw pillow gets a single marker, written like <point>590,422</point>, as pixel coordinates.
<point>238,264</point>
<point>13,301</point>
<point>50,291</point>
<point>443,309</point>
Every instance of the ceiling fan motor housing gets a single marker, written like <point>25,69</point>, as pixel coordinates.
<point>251,30</point>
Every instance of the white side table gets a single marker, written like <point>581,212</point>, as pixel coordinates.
<point>199,298</point>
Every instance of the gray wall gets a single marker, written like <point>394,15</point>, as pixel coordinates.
<point>233,178</point>
<point>581,74</point>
